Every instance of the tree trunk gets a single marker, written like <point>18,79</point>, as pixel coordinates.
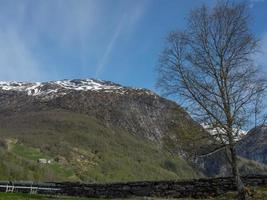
<point>239,184</point>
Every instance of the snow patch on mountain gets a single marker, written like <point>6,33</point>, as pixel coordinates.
<point>87,84</point>
<point>220,134</point>
<point>55,88</point>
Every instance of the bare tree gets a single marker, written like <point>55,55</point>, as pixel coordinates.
<point>210,66</point>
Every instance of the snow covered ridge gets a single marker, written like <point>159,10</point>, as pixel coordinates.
<point>216,131</point>
<point>61,87</point>
<point>45,88</point>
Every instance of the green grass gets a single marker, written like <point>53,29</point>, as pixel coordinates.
<point>90,151</point>
<point>27,152</point>
<point>259,194</point>
<point>20,196</point>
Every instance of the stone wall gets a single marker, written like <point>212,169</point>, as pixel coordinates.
<point>198,188</point>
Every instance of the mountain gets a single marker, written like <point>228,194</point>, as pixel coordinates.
<point>140,111</point>
<point>254,145</point>
<point>251,150</point>
<point>214,131</point>
<point>216,164</point>
<point>92,131</point>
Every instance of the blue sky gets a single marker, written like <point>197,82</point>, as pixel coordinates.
<point>116,40</point>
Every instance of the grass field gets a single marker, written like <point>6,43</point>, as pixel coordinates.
<point>19,196</point>
<point>260,194</point>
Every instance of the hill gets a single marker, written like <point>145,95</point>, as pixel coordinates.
<point>91,130</point>
<point>100,131</point>
<point>81,148</point>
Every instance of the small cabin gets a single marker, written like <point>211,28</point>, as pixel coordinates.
<point>44,161</point>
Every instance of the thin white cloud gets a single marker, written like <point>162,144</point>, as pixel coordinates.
<point>71,24</point>
<point>261,57</point>
<point>109,48</point>
<point>67,21</point>
<point>67,25</point>
<point>253,2</point>
<point>126,25</point>
<point>25,25</point>
<point>17,61</point>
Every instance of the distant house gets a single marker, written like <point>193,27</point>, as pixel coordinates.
<point>44,161</point>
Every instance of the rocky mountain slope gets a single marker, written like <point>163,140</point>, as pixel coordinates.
<point>217,164</point>
<point>251,149</point>
<point>254,145</point>
<point>140,111</point>
<point>95,130</point>
<point>92,130</point>
<point>80,148</point>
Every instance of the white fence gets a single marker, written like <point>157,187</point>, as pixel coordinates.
<point>32,188</point>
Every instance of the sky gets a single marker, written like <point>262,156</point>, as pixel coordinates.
<point>115,40</point>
